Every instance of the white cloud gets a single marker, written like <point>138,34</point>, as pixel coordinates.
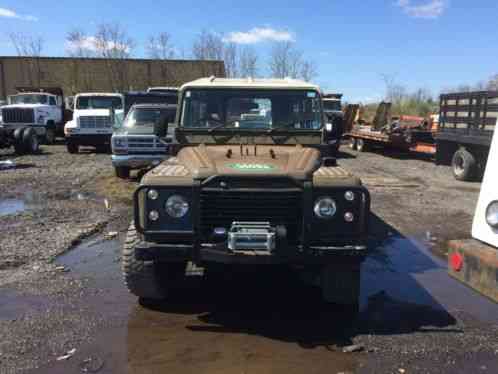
<point>7,13</point>
<point>432,9</point>
<point>258,35</point>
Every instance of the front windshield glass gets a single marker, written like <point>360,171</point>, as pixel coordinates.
<point>142,120</point>
<point>251,109</point>
<point>99,102</point>
<point>331,105</point>
<point>29,99</point>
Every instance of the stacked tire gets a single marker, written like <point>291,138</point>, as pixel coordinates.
<point>26,141</point>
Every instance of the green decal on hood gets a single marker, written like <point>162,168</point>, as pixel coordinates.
<point>251,167</point>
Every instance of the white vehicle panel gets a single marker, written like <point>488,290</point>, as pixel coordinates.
<point>489,193</point>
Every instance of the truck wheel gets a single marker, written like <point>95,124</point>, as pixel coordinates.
<point>72,147</point>
<point>19,147</point>
<point>352,144</point>
<point>464,165</point>
<point>341,285</point>
<point>30,141</point>
<point>122,172</point>
<point>361,145</point>
<point>141,277</point>
<point>50,136</point>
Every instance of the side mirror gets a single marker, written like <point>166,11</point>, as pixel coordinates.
<point>161,127</point>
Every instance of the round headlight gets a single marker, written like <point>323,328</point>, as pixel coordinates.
<point>153,215</point>
<point>349,195</point>
<point>325,207</point>
<point>349,217</point>
<point>153,194</point>
<point>176,206</point>
<point>492,214</point>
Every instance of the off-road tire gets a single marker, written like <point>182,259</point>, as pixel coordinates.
<point>141,277</point>
<point>72,147</point>
<point>18,143</point>
<point>50,135</point>
<point>352,143</point>
<point>122,172</point>
<point>464,165</point>
<point>30,141</point>
<point>341,286</point>
<point>361,145</point>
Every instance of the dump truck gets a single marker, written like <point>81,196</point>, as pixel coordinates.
<point>332,107</point>
<point>248,187</point>
<point>467,121</point>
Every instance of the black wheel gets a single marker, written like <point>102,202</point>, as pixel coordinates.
<point>341,285</point>
<point>141,277</point>
<point>19,147</point>
<point>352,143</point>
<point>72,147</point>
<point>122,172</point>
<point>50,135</point>
<point>30,141</point>
<point>149,280</point>
<point>361,145</point>
<point>464,165</point>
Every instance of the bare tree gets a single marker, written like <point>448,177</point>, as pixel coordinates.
<point>78,44</point>
<point>230,54</point>
<point>160,47</point>
<point>208,46</point>
<point>309,70</point>
<point>248,62</point>
<point>26,45</point>
<point>285,60</point>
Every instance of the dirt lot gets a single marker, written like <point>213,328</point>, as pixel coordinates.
<point>62,221</point>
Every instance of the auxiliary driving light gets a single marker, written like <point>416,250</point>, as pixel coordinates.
<point>349,195</point>
<point>153,215</point>
<point>153,194</point>
<point>492,214</point>
<point>325,208</point>
<point>349,217</point>
<point>176,206</point>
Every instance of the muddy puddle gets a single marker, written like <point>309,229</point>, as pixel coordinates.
<point>14,305</point>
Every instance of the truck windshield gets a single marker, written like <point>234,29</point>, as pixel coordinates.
<point>251,109</point>
<point>142,120</point>
<point>99,102</point>
<point>29,99</point>
<point>331,105</point>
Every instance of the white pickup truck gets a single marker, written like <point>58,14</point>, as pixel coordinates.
<point>93,121</point>
<point>31,116</point>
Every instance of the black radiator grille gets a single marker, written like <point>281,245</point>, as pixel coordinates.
<point>18,115</point>
<point>219,208</point>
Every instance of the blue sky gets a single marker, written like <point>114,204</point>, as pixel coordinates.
<point>432,44</point>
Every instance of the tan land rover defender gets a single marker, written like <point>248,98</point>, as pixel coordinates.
<point>248,186</point>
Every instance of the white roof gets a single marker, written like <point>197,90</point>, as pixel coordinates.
<point>99,94</point>
<point>33,93</point>
<point>287,83</point>
<point>163,88</point>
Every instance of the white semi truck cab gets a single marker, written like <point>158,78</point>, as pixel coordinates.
<point>94,118</point>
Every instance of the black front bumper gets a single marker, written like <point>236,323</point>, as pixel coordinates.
<point>90,139</point>
<point>219,253</point>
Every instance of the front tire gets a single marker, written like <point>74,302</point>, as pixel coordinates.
<point>50,136</point>
<point>340,284</point>
<point>361,145</point>
<point>122,172</point>
<point>72,147</point>
<point>19,146</point>
<point>30,141</point>
<point>352,143</point>
<point>464,165</point>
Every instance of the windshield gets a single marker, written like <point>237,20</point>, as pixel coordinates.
<point>99,102</point>
<point>251,109</point>
<point>29,99</point>
<point>142,120</point>
<point>331,105</point>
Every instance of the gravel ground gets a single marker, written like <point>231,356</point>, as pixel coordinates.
<point>414,317</point>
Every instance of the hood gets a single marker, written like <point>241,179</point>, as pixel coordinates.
<point>250,160</point>
<point>26,106</point>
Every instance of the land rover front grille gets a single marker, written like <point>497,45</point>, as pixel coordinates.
<point>219,208</point>
<point>18,115</point>
<point>95,122</point>
<point>145,145</point>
